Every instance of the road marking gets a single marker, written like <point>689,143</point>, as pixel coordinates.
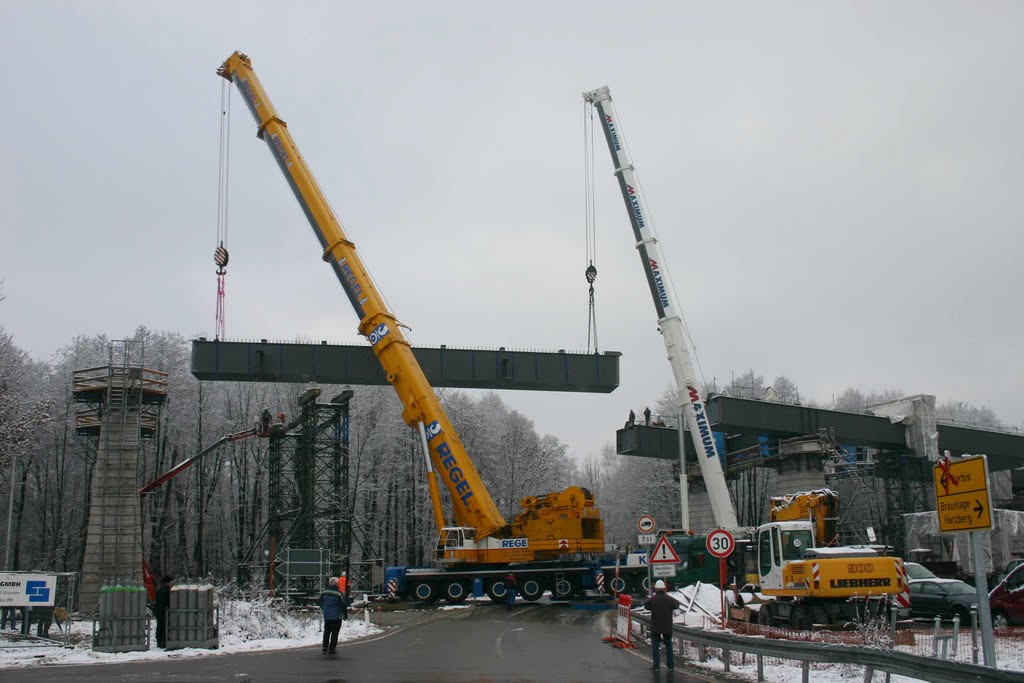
<point>497,642</point>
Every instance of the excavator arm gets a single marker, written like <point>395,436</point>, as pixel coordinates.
<point>472,504</point>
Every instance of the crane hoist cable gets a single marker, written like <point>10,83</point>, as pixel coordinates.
<point>590,223</point>
<point>220,252</point>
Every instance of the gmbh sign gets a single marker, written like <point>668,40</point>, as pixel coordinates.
<point>27,590</point>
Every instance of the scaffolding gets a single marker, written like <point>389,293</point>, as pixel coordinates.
<point>308,500</point>
<point>122,407</point>
<point>852,477</point>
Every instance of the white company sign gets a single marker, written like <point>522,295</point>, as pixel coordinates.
<point>27,590</point>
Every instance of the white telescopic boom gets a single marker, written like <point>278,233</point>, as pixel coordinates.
<point>691,405</point>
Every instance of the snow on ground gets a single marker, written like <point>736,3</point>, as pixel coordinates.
<point>820,673</point>
<point>699,601</point>
<point>244,627</point>
<point>781,673</point>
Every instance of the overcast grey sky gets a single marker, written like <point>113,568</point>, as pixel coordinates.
<point>837,187</point>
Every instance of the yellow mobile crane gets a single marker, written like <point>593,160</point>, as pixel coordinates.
<point>552,526</point>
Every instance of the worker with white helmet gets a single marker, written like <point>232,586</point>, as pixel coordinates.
<point>332,602</point>
<point>661,605</point>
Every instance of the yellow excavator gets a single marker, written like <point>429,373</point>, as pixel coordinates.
<point>812,580</point>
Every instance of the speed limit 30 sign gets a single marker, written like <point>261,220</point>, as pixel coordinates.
<point>720,543</point>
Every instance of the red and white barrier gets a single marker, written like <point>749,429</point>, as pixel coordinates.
<point>903,598</point>
<point>621,635</point>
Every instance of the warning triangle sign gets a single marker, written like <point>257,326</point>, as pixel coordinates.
<point>664,553</point>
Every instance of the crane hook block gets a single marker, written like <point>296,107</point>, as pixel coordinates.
<point>591,273</point>
<point>220,256</point>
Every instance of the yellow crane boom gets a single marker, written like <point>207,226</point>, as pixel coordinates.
<point>472,504</point>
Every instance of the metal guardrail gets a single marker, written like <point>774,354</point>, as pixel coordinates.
<point>872,659</point>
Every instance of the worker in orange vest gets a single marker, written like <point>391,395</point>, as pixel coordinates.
<point>343,589</point>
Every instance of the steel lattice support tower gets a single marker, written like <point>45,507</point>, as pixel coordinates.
<point>308,498</point>
<point>907,480</point>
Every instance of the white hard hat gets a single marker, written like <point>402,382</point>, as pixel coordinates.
<point>659,585</point>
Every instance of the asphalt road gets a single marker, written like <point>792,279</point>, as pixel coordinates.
<point>484,643</point>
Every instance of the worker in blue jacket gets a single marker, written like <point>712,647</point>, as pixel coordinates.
<point>332,603</point>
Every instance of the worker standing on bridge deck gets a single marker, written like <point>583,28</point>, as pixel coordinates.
<point>647,417</point>
<point>332,602</point>
<point>661,605</point>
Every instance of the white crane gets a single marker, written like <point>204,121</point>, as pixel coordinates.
<point>691,404</point>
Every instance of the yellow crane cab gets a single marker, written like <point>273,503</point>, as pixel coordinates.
<point>778,544</point>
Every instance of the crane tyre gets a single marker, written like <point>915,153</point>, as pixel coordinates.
<point>531,589</point>
<point>496,591</point>
<point>644,584</point>
<point>425,592</point>
<point>764,615</point>
<point>455,592</point>
<point>563,589</point>
<point>617,584</point>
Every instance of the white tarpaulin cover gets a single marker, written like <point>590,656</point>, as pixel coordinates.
<point>1001,544</point>
<point>918,414</point>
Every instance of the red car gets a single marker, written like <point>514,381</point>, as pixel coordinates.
<point>1006,600</point>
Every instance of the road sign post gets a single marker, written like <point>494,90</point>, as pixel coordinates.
<point>645,525</point>
<point>663,560</point>
<point>984,613</point>
<point>721,543</point>
<point>963,503</point>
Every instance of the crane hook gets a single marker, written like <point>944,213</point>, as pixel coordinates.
<point>220,257</point>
